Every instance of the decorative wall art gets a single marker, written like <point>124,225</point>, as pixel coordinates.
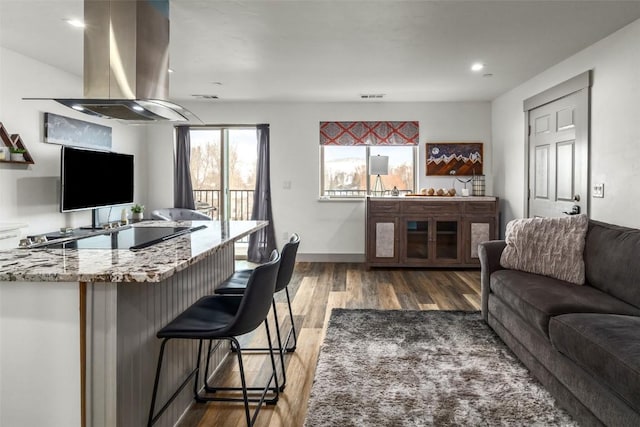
<point>454,158</point>
<point>369,133</point>
<point>78,133</point>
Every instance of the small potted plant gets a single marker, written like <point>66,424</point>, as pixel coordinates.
<point>17,154</point>
<point>137,212</point>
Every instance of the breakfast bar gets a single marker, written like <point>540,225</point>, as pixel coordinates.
<point>78,323</point>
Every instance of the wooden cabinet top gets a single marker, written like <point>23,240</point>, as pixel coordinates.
<point>429,199</point>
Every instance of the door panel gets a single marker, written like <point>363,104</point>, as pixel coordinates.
<point>558,156</point>
<point>564,119</point>
<point>564,171</point>
<point>541,183</point>
<point>542,124</point>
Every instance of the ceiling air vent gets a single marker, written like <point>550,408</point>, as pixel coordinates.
<point>205,96</point>
<point>372,95</point>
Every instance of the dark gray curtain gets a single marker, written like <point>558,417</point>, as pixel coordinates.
<point>263,241</point>
<point>183,190</point>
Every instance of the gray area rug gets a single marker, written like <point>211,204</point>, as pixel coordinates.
<point>423,368</point>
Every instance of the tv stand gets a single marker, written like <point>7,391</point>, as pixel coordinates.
<point>94,221</point>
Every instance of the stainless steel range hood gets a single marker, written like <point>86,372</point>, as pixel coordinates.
<point>126,62</point>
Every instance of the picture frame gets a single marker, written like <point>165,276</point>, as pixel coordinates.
<point>454,158</point>
<point>78,133</point>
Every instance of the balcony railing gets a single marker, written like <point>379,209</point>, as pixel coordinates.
<point>240,203</point>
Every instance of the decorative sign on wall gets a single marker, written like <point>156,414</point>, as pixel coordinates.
<point>454,158</point>
<point>67,131</point>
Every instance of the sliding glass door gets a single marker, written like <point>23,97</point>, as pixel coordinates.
<point>223,170</point>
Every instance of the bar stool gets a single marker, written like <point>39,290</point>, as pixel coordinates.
<point>237,283</point>
<point>218,317</point>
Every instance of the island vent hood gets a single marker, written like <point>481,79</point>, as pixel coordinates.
<point>126,62</point>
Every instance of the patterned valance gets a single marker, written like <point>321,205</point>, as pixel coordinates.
<point>369,133</point>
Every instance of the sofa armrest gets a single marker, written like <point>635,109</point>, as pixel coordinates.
<point>489,254</point>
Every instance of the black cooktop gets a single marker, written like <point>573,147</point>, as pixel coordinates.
<point>128,238</point>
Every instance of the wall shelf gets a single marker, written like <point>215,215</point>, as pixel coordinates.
<point>14,141</point>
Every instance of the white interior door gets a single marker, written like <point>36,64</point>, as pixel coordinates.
<point>559,157</point>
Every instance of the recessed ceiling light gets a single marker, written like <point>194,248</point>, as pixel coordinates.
<point>77,107</point>
<point>477,66</point>
<point>138,108</point>
<point>75,23</point>
<point>170,70</point>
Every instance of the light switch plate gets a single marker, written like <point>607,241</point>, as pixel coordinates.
<point>598,190</point>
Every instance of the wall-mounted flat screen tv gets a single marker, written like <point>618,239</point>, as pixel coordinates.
<point>93,179</point>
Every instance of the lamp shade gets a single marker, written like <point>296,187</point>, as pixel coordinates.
<point>378,165</point>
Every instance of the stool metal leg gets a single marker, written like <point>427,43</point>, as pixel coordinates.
<point>292,332</point>
<point>280,349</point>
<point>293,326</point>
<point>270,348</point>
<point>245,396</point>
<point>154,417</point>
<point>244,388</point>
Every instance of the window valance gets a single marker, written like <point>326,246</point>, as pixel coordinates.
<point>369,133</point>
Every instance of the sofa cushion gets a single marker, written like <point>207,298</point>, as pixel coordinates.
<point>605,345</point>
<point>549,246</point>
<point>537,298</point>
<point>611,260</point>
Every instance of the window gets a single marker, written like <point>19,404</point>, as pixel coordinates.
<point>347,146</point>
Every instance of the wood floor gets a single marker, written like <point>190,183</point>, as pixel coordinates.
<point>316,288</point>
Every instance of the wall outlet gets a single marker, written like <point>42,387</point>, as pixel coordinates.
<point>598,190</point>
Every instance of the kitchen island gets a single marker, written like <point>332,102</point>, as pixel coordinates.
<point>77,326</point>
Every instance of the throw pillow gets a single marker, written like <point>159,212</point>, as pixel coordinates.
<point>548,246</point>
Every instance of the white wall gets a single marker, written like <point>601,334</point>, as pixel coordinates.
<point>615,134</point>
<point>325,227</point>
<point>30,194</point>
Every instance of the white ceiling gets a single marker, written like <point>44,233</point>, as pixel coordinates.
<point>321,50</point>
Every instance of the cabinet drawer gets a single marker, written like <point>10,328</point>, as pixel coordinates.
<point>480,207</point>
<point>431,208</point>
<point>383,206</point>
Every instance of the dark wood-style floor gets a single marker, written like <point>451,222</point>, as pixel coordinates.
<point>316,288</point>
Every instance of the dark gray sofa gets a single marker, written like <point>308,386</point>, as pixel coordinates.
<point>581,342</point>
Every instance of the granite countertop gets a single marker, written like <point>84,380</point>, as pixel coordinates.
<point>152,264</point>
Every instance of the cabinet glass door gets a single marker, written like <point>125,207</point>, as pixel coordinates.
<point>417,239</point>
<point>446,240</point>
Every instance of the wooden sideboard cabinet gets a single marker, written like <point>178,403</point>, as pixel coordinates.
<point>428,231</point>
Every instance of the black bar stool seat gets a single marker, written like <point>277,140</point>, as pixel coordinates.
<point>235,284</point>
<point>196,322</point>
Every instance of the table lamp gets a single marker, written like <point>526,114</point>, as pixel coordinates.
<point>378,165</point>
